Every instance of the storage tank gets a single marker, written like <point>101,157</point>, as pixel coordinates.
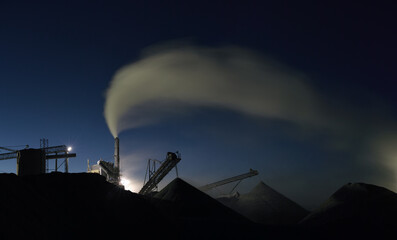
<point>30,161</point>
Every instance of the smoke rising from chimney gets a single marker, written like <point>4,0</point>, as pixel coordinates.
<point>169,81</point>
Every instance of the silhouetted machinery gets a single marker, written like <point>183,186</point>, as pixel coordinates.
<point>238,178</point>
<point>12,152</point>
<point>34,161</point>
<point>106,169</point>
<point>155,176</point>
<point>110,170</point>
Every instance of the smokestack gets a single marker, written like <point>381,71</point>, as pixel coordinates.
<point>116,154</point>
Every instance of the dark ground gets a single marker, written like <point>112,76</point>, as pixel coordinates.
<point>66,206</point>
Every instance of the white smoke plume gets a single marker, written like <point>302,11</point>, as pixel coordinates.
<point>171,80</point>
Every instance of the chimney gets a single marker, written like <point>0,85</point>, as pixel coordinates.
<point>116,154</point>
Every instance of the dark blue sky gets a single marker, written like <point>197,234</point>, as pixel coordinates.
<point>57,59</point>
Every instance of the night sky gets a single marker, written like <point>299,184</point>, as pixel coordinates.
<point>57,60</point>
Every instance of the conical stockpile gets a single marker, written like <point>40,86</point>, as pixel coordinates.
<point>355,211</point>
<point>357,203</point>
<point>192,203</point>
<point>267,206</point>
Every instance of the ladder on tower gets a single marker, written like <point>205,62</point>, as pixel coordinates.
<point>170,162</point>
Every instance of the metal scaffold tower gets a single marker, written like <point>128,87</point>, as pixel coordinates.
<point>56,152</point>
<point>44,146</point>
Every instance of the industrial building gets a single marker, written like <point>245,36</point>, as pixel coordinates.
<point>111,171</point>
<point>32,161</point>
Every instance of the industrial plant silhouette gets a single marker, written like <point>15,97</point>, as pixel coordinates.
<point>42,204</point>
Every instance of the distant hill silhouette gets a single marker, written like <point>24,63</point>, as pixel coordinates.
<point>265,205</point>
<point>356,209</point>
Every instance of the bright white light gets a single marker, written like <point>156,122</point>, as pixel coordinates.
<point>130,184</point>
<point>124,181</point>
<point>69,149</point>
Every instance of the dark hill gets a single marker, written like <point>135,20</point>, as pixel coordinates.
<point>23,212</point>
<point>65,206</point>
<point>357,209</point>
<point>71,206</point>
<point>265,205</point>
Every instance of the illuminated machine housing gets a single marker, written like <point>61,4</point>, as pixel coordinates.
<point>107,170</point>
<point>111,171</point>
